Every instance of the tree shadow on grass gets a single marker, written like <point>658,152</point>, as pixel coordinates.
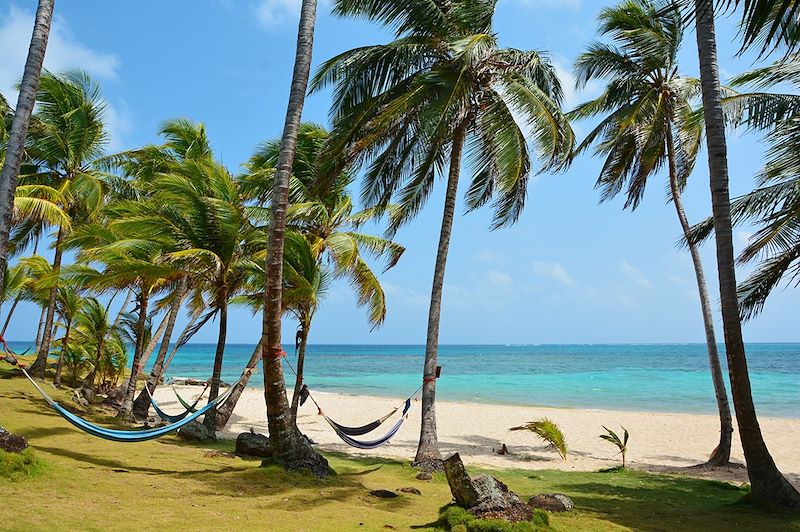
<point>117,465</point>
<point>660,502</point>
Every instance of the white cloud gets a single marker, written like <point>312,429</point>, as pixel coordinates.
<point>63,51</point>
<point>572,95</point>
<point>555,271</point>
<point>487,255</point>
<point>499,279</point>
<point>272,13</point>
<point>635,275</point>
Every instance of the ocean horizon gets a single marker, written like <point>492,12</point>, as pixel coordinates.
<point>657,377</point>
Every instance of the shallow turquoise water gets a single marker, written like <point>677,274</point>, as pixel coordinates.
<point>672,378</point>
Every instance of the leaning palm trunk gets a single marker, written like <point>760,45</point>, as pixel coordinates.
<point>181,339</point>
<point>428,456</point>
<point>126,410</point>
<point>9,315</point>
<point>722,453</point>
<point>210,419</point>
<point>225,410</point>
<point>40,364</point>
<point>142,403</point>
<point>768,484</point>
<point>19,124</point>
<point>64,347</point>
<point>289,448</point>
<point>301,358</point>
<point>88,382</point>
<point>42,316</point>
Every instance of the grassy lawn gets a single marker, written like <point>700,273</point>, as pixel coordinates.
<point>91,484</point>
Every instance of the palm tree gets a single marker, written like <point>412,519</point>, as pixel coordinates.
<point>412,106</point>
<point>93,330</point>
<point>200,207</point>
<point>129,260</point>
<point>288,447</point>
<point>67,135</point>
<point>774,205</point>
<point>768,484</point>
<point>141,404</point>
<point>15,281</point>
<point>322,212</point>
<point>650,124</point>
<point>68,303</point>
<point>15,144</point>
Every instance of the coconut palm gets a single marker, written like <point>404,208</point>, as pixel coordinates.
<point>775,205</point>
<point>68,304</point>
<point>323,212</point>
<point>13,289</point>
<point>93,329</point>
<point>14,144</point>
<point>199,205</point>
<point>288,447</point>
<point>67,135</point>
<point>141,404</point>
<point>414,106</point>
<point>649,124</point>
<point>128,260</point>
<point>768,484</point>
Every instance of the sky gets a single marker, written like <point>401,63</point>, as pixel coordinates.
<point>570,271</point>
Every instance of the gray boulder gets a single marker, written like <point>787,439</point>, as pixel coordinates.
<point>115,397</point>
<point>483,495</point>
<point>552,502</point>
<point>253,444</point>
<point>79,399</point>
<point>12,443</point>
<point>195,431</point>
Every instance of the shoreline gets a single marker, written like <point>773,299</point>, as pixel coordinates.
<point>659,441</point>
<point>489,402</point>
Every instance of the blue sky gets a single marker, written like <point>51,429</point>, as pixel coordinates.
<point>571,271</point>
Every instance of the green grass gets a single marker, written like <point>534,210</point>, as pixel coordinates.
<point>20,466</point>
<point>93,484</point>
<point>457,519</point>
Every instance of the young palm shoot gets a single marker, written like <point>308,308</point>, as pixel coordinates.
<point>622,444</point>
<point>548,431</point>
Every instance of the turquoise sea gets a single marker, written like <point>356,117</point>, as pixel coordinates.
<point>647,377</point>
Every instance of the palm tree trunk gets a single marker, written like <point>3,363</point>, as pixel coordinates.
<point>88,382</point>
<point>289,448</point>
<point>19,124</point>
<point>8,317</point>
<point>141,405</point>
<point>178,343</point>
<point>301,357</point>
<point>428,456</point>
<point>40,364</point>
<point>210,419</point>
<point>42,316</point>
<point>64,347</point>
<point>225,410</point>
<point>722,453</point>
<point>126,410</point>
<point>768,484</point>
<point>123,308</point>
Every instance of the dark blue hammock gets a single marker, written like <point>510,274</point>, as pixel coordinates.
<point>371,444</point>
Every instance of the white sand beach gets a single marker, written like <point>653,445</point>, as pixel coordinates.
<point>664,442</point>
